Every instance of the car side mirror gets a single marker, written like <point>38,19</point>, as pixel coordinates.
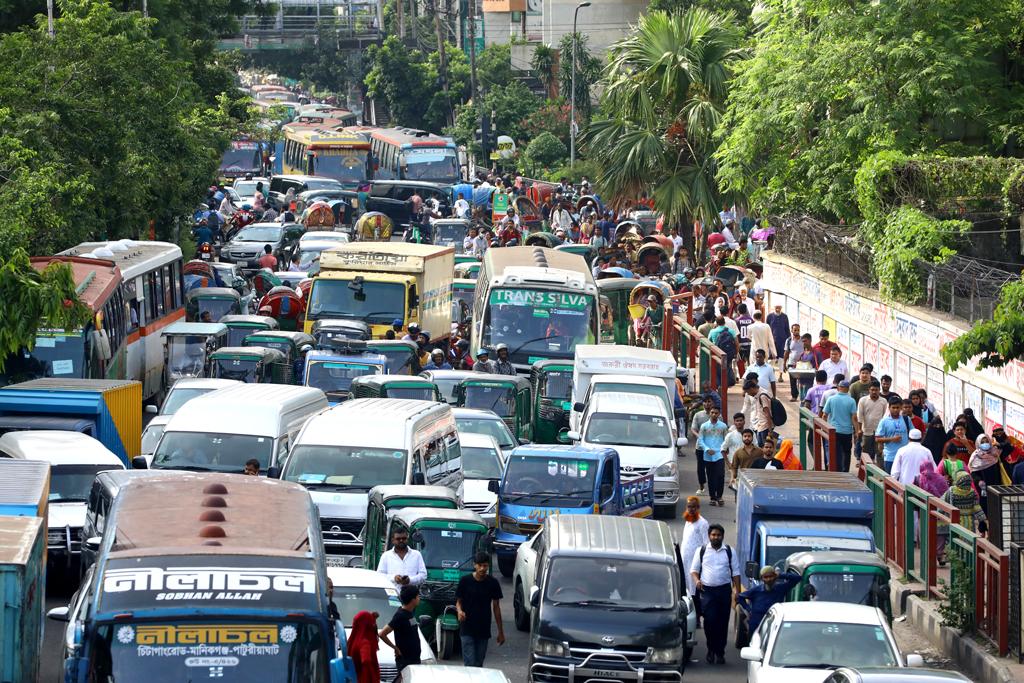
<point>152,410</point>
<point>93,543</point>
<point>752,654</point>
<point>573,436</point>
<point>523,442</point>
<point>139,463</point>
<point>751,570</point>
<point>577,407</point>
<point>274,472</point>
<point>494,486</point>
<point>915,660</point>
<point>61,614</point>
<point>534,596</point>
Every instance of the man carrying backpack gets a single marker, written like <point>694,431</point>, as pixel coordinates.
<point>758,404</point>
<point>716,573</point>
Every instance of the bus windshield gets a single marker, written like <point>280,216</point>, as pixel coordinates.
<point>437,165</point>
<point>171,652</point>
<point>56,354</point>
<point>538,324</point>
<point>376,303</point>
<point>345,165</point>
<point>241,157</point>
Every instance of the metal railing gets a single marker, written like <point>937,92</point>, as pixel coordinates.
<point>269,26</point>
<point>708,360</point>
<point>940,515</point>
<point>895,521</point>
<point>816,434</point>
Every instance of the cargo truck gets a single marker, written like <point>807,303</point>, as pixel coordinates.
<point>22,593</point>
<point>110,411</point>
<point>381,282</point>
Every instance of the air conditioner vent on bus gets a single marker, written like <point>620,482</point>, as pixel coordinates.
<point>540,258</point>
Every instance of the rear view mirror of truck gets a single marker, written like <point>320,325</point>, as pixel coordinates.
<point>752,570</point>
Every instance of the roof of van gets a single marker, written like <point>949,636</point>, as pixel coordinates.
<point>211,514</point>
<point>623,402</point>
<point>609,358</point>
<point>607,535</point>
<point>58,448</point>
<point>248,408</point>
<point>362,418</point>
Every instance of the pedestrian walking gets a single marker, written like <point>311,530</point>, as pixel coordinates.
<point>761,337</point>
<point>746,456</point>
<point>841,411</point>
<point>892,433</point>
<point>695,537</point>
<point>716,573</point>
<point>870,411</point>
<point>779,322</point>
<point>401,564</point>
<point>476,597</point>
<point>403,625</point>
<point>362,647</point>
<point>710,441</point>
<point>906,466</point>
<point>699,418</point>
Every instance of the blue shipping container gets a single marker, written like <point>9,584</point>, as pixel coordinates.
<point>22,597</point>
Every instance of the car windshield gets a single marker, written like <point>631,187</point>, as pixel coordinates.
<point>499,399</point>
<point>323,184</point>
<point>399,360</point>
<point>781,547</point>
<point>858,589</point>
<point>658,391</point>
<point>344,165</point>
<point>537,324</point>
<point>345,467</point>
<point>179,397</point>
<point>491,427</point>
<point>549,481</point>
<point>228,652</point>
<point>624,429</point>
<point>415,393</point>
<point>334,378</point>
<point>217,307</point>
<point>446,548</point>
<point>351,600</point>
<point>71,483</point>
<point>211,452</point>
<point>372,302</point>
<point>259,233</point>
<point>481,463</point>
<point>310,252</point>
<point>247,188</point>
<point>618,584</point>
<point>186,356</point>
<point>241,369</point>
<point>150,438</point>
<point>436,165</point>
<point>557,385</point>
<point>821,645</point>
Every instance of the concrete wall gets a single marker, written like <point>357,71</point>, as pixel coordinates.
<point>604,22</point>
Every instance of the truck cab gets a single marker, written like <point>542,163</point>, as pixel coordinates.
<point>541,481</point>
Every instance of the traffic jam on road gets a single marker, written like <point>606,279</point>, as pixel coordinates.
<point>370,434</point>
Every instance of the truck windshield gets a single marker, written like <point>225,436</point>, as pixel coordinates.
<point>538,323</point>
<point>627,388</point>
<point>334,378</point>
<point>551,482</point>
<point>172,652</point>
<point>858,589</point>
<point>341,467</point>
<point>781,547</point>
<point>500,400</point>
<point>623,429</point>
<point>610,583</point>
<point>56,354</point>
<point>802,644</point>
<point>415,393</point>
<point>446,548</point>
<point>71,483</point>
<point>211,452</point>
<point>481,463</point>
<point>373,302</point>
<point>241,369</point>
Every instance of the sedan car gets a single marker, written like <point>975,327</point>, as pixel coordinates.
<point>803,642</point>
<point>356,590</point>
<point>907,675</point>
<point>247,245</point>
<point>474,421</point>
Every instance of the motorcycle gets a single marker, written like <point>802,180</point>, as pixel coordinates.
<point>205,252</point>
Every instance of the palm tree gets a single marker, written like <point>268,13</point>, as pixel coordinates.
<point>545,66</point>
<point>664,95</point>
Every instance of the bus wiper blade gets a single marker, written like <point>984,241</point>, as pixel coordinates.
<point>530,341</point>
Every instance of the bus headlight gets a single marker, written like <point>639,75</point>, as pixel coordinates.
<point>508,525</point>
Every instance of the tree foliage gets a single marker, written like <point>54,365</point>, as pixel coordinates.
<point>511,105</point>
<point>588,72</point>
<point>664,93</point>
<point>992,343</point>
<point>546,150</point>
<point>831,82</point>
<point>544,63</point>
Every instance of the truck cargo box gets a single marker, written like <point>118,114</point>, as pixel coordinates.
<point>24,488</point>
<point>810,494</point>
<point>22,596</point>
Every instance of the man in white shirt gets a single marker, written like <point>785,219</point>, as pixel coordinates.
<point>461,207</point>
<point>734,437</point>
<point>561,219</point>
<point>402,564</point>
<point>907,464</point>
<point>761,336</point>
<point>870,411</point>
<point>765,372</point>
<point>716,572</point>
<point>833,365</point>
<point>730,239</point>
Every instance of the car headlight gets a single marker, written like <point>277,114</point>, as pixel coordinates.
<point>664,655</point>
<point>547,647</point>
<point>668,469</point>
<point>508,525</point>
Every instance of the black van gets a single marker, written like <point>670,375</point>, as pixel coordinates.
<point>391,197</point>
<point>607,604</point>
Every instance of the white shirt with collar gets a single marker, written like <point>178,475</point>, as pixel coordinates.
<point>391,565</point>
<point>832,369</point>
<point>716,569</point>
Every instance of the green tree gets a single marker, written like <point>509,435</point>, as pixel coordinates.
<point>544,63</point>
<point>512,106</point>
<point>740,8</point>
<point>992,343</point>
<point>831,82</point>
<point>546,150</point>
<point>494,66</point>
<point>664,92</point>
<point>588,72</point>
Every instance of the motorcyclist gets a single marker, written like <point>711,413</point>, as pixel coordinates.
<point>459,357</point>
<point>483,364</point>
<point>203,234</point>
<point>508,229</point>
<point>503,366</point>
<point>437,361</point>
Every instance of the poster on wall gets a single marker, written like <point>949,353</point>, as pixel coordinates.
<point>843,339</point>
<point>856,349</point>
<point>993,412</point>
<point>901,380</point>
<point>829,324</point>
<point>1014,420</point>
<point>972,399</point>
<point>954,398</point>
<point>918,374</point>
<point>936,388</point>
<point>871,354</point>
<point>886,362</point>
<point>793,311</point>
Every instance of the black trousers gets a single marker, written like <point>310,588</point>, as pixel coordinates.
<point>716,478</point>
<point>702,476</point>
<point>844,442</point>
<point>716,608</point>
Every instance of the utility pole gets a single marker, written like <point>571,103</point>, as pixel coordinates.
<point>442,60</point>
<point>572,80</point>
<point>399,5</point>
<point>49,18</point>
<point>145,8</point>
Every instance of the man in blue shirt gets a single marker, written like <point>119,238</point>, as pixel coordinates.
<point>892,433</point>
<point>759,599</point>
<point>841,411</point>
<point>710,439</point>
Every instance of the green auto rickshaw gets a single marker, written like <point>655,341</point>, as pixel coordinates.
<point>210,304</point>
<point>617,291</point>
<point>860,578</point>
<point>384,500</point>
<point>252,364</point>
<point>466,258</point>
<point>551,382</point>
<point>448,540</point>
<point>241,326</point>
<point>403,356</point>
<point>395,386</point>
<point>508,396</point>
<point>187,347</point>
<point>291,344</point>
<point>467,271</point>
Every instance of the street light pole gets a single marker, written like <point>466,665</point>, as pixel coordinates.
<point>572,95</point>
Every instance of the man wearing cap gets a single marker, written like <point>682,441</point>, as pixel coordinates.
<point>437,361</point>
<point>414,333</point>
<point>841,411</point>
<point>759,599</point>
<point>483,364</point>
<point>907,464</point>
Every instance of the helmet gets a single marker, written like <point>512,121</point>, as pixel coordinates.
<point>462,344</point>
<point>688,273</point>
<point>437,352</point>
<point>482,352</point>
<point>501,347</point>
<point>305,348</point>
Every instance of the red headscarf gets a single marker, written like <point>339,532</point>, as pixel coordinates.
<point>362,647</point>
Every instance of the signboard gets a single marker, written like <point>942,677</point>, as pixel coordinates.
<point>918,374</point>
<point>504,5</point>
<point>954,398</point>
<point>856,349</point>
<point>936,387</point>
<point>540,299</point>
<point>506,147</point>
<point>993,412</point>
<point>901,380</point>
<point>370,260</point>
<point>1014,420</point>
<point>972,399</point>
<point>500,206</point>
<point>843,339</point>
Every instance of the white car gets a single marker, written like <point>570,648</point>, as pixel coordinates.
<point>475,421</point>
<point>181,393</point>
<point>246,189</point>
<point>482,461</point>
<point>356,590</point>
<point>324,236</point>
<point>803,642</point>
